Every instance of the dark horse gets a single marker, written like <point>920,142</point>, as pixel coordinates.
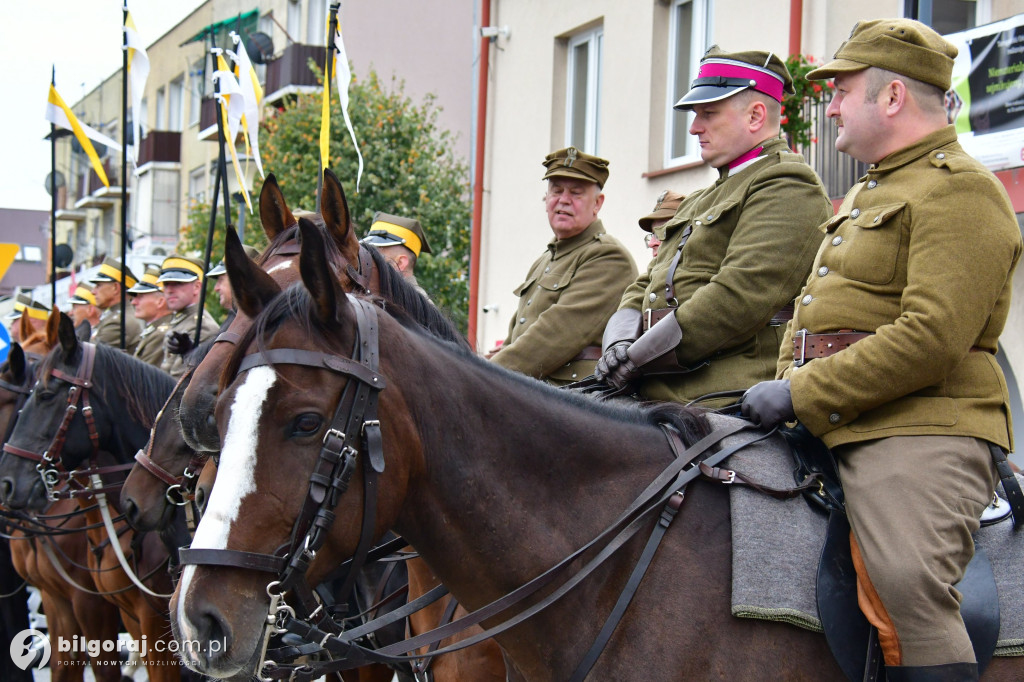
<point>493,478</point>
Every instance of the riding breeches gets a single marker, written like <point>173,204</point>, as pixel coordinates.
<point>913,503</point>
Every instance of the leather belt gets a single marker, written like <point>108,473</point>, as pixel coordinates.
<point>654,315</point>
<point>588,353</point>
<point>780,318</point>
<point>809,346</point>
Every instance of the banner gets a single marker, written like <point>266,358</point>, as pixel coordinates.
<point>986,101</point>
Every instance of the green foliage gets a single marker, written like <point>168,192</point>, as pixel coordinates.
<point>796,108</point>
<point>409,170</point>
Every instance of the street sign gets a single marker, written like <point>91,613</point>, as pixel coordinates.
<point>5,343</point>
<point>7,254</point>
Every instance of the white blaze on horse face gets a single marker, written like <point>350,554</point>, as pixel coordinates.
<point>235,475</point>
<point>279,266</point>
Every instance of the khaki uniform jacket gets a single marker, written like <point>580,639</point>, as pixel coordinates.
<point>564,304</point>
<point>922,253</point>
<point>185,321</point>
<point>108,330</point>
<point>151,341</point>
<point>754,235</point>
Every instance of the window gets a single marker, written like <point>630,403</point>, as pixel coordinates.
<point>316,22</point>
<point>143,118</point>
<point>689,35</point>
<point>295,20</point>
<point>950,16</point>
<point>30,254</point>
<point>176,103</point>
<point>197,185</point>
<point>583,91</point>
<point>161,109</point>
<point>195,90</point>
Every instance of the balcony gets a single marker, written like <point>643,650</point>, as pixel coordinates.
<point>94,194</point>
<point>290,74</point>
<point>160,146</point>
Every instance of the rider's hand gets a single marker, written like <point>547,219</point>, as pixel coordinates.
<point>615,367</point>
<point>769,403</point>
<point>178,343</point>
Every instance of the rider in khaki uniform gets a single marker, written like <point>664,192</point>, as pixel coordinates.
<point>147,300</point>
<point>107,283</point>
<point>182,280</point>
<point>919,264</point>
<point>37,313</point>
<point>572,289</point>
<point>749,241</point>
<point>401,241</point>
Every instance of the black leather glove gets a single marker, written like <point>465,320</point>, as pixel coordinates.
<point>768,403</point>
<point>622,329</point>
<point>179,343</point>
<point>615,367</point>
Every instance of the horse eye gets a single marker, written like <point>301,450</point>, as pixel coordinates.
<point>46,396</point>
<point>307,424</point>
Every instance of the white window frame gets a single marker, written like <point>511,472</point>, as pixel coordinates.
<point>592,119</point>
<point>195,92</point>
<point>161,109</point>
<point>197,185</point>
<point>677,123</point>
<point>316,22</point>
<point>176,104</point>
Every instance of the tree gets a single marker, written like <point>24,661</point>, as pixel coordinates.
<point>410,170</point>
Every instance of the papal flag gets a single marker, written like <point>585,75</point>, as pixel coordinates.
<point>344,73</point>
<point>58,113</point>
<point>252,94</point>
<point>232,106</point>
<point>138,72</point>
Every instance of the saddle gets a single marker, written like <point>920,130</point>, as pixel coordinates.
<point>853,640</point>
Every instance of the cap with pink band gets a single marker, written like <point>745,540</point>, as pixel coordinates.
<point>727,72</point>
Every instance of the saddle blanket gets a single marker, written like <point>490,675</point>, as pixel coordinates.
<point>774,572</point>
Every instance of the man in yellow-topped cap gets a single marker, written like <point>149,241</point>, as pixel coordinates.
<point>83,306</point>
<point>401,241</point>
<point>890,357</point>
<point>572,289</point>
<point>107,283</point>
<point>150,306</point>
<point>24,306</point>
<point>181,278</point>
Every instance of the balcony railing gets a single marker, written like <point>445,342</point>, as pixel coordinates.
<point>290,72</point>
<point>160,145</point>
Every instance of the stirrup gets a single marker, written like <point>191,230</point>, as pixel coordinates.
<point>997,510</point>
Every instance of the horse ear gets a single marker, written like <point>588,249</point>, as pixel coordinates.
<point>52,327</point>
<point>274,213</point>
<point>66,336</point>
<point>318,276</point>
<point>334,209</point>
<point>251,286</point>
<point>24,327</point>
<point>16,362</point>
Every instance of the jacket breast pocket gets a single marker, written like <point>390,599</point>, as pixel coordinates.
<point>555,283</point>
<point>524,287</point>
<point>873,238</point>
<point>712,229</point>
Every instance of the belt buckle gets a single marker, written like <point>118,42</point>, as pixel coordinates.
<point>801,360</point>
<point>648,314</point>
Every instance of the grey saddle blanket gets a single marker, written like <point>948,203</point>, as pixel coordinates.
<point>776,545</point>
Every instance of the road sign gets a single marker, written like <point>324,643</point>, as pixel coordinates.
<point>5,343</point>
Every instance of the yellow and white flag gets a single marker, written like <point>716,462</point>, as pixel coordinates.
<point>252,94</point>
<point>344,74</point>
<point>232,106</point>
<point>138,72</point>
<point>58,113</point>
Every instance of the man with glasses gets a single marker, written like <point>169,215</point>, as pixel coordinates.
<point>572,289</point>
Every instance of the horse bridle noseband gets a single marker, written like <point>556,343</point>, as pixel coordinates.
<point>354,428</point>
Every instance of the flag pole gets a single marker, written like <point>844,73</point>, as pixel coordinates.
<point>332,28</point>
<point>124,171</point>
<point>53,203</point>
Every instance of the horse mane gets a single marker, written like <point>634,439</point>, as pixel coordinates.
<point>395,288</point>
<point>143,387</point>
<point>296,304</point>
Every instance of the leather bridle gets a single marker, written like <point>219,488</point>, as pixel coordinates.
<point>354,429</point>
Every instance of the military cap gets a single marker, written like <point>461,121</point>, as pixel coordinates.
<point>83,295</point>
<point>219,269</point>
<point>392,230</point>
<point>572,163</point>
<point>177,268</point>
<point>904,46</point>
<point>148,283</point>
<point>25,305</point>
<point>723,74</point>
<point>112,271</point>
<point>664,209</point>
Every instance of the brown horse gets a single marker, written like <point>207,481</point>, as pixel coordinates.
<point>492,477</point>
<point>355,267</point>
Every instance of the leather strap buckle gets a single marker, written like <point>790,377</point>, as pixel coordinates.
<point>799,361</point>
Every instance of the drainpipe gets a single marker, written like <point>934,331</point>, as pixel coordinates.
<point>796,20</point>
<point>478,176</point>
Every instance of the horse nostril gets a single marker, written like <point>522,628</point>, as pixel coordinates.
<point>131,512</point>
<point>6,490</point>
<point>213,632</point>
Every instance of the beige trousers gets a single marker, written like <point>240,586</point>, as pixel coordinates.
<point>913,503</point>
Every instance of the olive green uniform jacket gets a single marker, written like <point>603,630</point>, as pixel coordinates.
<point>754,235</point>
<point>922,253</point>
<point>564,304</point>
<point>108,330</point>
<point>151,341</point>
<point>185,321</point>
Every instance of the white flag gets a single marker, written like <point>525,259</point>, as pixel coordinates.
<point>138,72</point>
<point>232,108</point>
<point>344,75</point>
<point>252,94</point>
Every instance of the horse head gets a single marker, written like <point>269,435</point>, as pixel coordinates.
<point>277,410</point>
<point>88,399</point>
<point>280,262</point>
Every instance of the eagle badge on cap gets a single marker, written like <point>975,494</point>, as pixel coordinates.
<point>570,157</point>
